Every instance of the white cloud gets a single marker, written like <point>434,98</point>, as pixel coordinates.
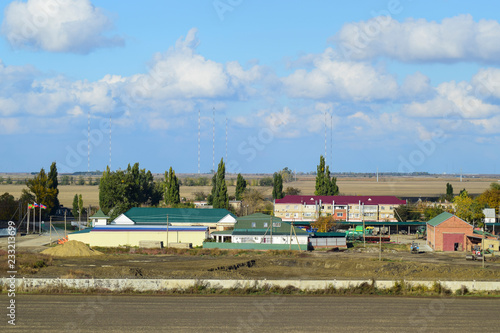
<point>332,78</point>
<point>416,86</point>
<point>453,99</point>
<point>453,39</point>
<point>58,26</point>
<point>11,126</point>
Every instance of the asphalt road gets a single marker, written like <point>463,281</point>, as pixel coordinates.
<point>49,313</point>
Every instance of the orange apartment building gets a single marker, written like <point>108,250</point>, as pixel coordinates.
<point>308,208</point>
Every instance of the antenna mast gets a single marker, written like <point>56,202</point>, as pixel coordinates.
<point>88,141</point>
<point>226,138</point>
<point>213,141</point>
<point>325,137</point>
<point>199,129</point>
<point>110,142</point>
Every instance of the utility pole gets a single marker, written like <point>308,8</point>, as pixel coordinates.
<point>363,216</point>
<point>482,246</point>
<point>28,221</point>
<point>271,219</point>
<point>167,231</point>
<point>380,244</point>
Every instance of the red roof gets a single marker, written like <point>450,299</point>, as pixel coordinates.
<point>341,199</point>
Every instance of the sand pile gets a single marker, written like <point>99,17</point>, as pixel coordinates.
<point>71,248</point>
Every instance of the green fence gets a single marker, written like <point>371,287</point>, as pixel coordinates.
<point>252,246</point>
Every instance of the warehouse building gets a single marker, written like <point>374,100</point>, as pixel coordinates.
<point>447,232</point>
<point>164,226</point>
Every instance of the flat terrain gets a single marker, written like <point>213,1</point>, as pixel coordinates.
<point>354,263</point>
<point>55,313</point>
<point>398,186</point>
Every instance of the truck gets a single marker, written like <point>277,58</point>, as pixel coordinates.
<point>477,254</point>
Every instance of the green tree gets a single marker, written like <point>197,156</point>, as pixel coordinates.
<point>286,174</point>
<point>54,183</point>
<point>123,189</point>
<point>80,206</point>
<point>8,207</point>
<point>253,201</point>
<point>449,192</point>
<point>220,199</point>
<point>491,197</point>
<point>241,185</point>
<point>76,209</point>
<point>292,191</point>
<point>432,211</point>
<point>277,186</point>
<point>41,187</point>
<point>325,184</point>
<point>324,224</point>
<point>65,180</point>
<point>266,181</point>
<point>405,213</point>
<point>172,188</point>
<point>468,209</point>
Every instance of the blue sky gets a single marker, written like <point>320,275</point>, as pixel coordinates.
<point>400,85</point>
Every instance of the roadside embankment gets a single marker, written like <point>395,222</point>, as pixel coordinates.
<point>181,286</point>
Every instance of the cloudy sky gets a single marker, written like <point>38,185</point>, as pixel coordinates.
<point>395,85</point>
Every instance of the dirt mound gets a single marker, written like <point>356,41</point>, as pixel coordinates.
<point>72,248</point>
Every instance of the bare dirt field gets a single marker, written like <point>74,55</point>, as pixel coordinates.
<point>362,263</point>
<point>397,186</point>
<point>277,313</point>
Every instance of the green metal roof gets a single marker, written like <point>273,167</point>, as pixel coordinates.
<point>367,223</point>
<point>259,224</point>
<point>488,234</point>
<point>440,219</point>
<point>328,234</point>
<point>148,215</point>
<point>99,214</point>
<point>83,231</point>
<point>224,232</point>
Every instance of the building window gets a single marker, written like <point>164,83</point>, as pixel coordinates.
<point>329,207</point>
<point>276,224</point>
<point>340,214</point>
<point>296,215</point>
<point>287,214</point>
<point>307,214</point>
<point>350,215</point>
<point>356,215</point>
<point>265,224</point>
<point>382,207</point>
<point>287,206</point>
<point>295,207</point>
<point>253,224</point>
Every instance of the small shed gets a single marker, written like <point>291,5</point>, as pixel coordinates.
<point>328,239</point>
<point>447,232</point>
<point>99,218</point>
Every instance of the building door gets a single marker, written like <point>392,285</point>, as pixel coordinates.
<point>450,242</point>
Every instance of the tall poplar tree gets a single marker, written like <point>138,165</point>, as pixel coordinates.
<point>241,185</point>
<point>220,199</point>
<point>277,186</point>
<point>172,190</point>
<point>325,184</point>
<point>53,178</point>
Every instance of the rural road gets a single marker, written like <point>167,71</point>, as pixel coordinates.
<point>76,313</point>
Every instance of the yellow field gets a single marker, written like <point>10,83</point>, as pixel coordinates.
<point>398,186</point>
<point>90,194</point>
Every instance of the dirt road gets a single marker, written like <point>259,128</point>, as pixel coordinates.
<point>41,313</point>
